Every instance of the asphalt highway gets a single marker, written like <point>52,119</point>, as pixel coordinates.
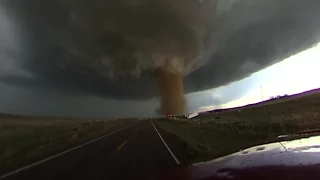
<point>135,152</point>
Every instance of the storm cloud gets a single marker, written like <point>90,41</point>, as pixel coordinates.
<point>112,48</point>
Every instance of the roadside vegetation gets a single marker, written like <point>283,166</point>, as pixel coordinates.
<point>24,140</point>
<point>217,133</point>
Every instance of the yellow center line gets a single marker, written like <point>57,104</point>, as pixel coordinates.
<point>122,145</point>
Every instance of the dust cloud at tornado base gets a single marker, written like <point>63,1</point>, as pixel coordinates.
<point>170,86</point>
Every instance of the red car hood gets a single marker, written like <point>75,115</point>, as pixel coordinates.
<point>296,159</point>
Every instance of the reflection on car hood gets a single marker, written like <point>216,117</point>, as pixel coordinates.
<point>296,159</point>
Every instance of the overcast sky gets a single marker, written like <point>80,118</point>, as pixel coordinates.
<point>293,75</point>
<point>89,60</point>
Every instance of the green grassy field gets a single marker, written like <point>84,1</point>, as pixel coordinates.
<point>211,135</point>
<point>24,140</point>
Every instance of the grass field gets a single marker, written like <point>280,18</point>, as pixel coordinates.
<point>214,134</point>
<point>24,140</point>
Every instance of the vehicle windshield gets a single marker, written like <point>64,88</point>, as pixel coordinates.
<point>125,89</point>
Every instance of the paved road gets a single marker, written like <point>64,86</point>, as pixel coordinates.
<point>134,152</point>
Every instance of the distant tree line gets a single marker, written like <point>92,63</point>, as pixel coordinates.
<point>278,97</point>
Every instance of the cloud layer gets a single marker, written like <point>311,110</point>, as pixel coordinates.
<point>111,48</point>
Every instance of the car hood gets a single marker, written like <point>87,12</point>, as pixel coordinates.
<point>295,159</point>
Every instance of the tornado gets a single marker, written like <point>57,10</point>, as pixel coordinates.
<point>170,85</point>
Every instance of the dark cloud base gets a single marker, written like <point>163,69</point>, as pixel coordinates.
<point>69,57</point>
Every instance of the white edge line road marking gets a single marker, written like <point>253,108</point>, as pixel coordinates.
<point>57,155</point>
<point>173,156</point>
<point>122,145</point>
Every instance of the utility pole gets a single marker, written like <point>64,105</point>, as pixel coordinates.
<point>264,105</point>
<point>261,91</point>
